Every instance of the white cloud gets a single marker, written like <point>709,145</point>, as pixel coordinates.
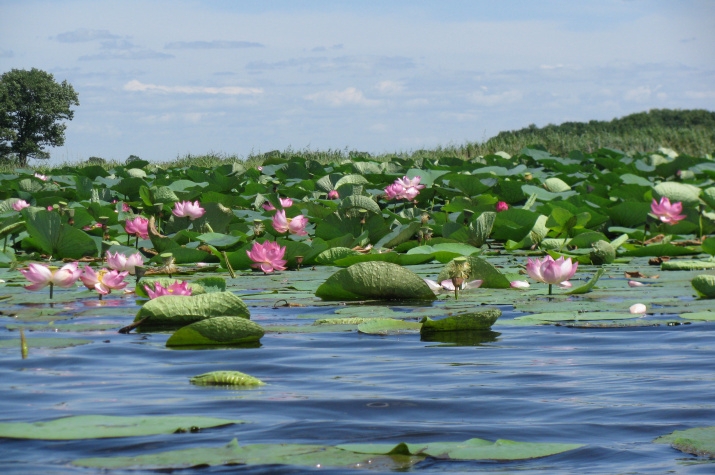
<point>638,94</point>
<point>349,96</point>
<point>489,100</point>
<point>700,94</point>
<point>389,87</point>
<point>216,44</point>
<point>83,35</point>
<point>137,86</point>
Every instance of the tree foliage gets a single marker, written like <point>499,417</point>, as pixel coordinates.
<point>32,108</point>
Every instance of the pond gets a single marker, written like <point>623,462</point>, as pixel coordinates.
<point>613,390</point>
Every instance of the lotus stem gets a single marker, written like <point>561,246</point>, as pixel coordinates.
<point>52,288</point>
<point>550,285</point>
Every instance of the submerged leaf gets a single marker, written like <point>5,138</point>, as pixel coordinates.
<point>698,441</point>
<point>98,427</point>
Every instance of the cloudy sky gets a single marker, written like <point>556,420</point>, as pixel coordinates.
<point>161,79</point>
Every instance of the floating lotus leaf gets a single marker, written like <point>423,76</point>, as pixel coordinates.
<point>706,316</point>
<point>226,378</point>
<point>375,281</point>
<point>687,265</point>
<point>44,343</point>
<point>172,311</point>
<point>256,454</point>
<point>698,441</point>
<point>99,427</point>
<point>480,320</point>
<point>388,326</point>
<point>472,449</point>
<point>232,330</point>
<point>704,285</point>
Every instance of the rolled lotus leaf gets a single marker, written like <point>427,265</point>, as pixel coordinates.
<point>481,320</point>
<point>375,280</point>
<point>704,285</point>
<point>175,311</point>
<point>687,265</point>
<point>226,378</point>
<point>602,253</point>
<point>217,331</point>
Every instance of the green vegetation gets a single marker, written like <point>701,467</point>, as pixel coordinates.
<point>32,108</point>
<point>689,132</point>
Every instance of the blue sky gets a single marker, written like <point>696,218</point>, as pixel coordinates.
<point>160,79</point>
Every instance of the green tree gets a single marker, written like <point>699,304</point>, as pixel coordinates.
<point>32,108</point>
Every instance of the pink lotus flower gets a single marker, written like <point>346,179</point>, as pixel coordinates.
<point>637,308</point>
<point>447,284</point>
<point>126,208</point>
<point>552,271</point>
<point>121,262</point>
<point>635,283</point>
<point>177,288</point>
<point>41,276</point>
<point>138,226</point>
<point>412,187</point>
<point>502,206</point>
<point>666,212</point>
<point>333,195</point>
<point>103,281</point>
<point>519,284</point>
<point>286,202</point>
<point>267,256</point>
<point>293,225</point>
<point>50,208</point>
<point>188,209</point>
<point>407,188</point>
<point>394,191</point>
<point>20,205</point>
<point>268,206</point>
<point>41,176</point>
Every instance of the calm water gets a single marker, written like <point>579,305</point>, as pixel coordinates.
<point>614,390</point>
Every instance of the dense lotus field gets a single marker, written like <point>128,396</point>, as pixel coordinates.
<point>591,240</point>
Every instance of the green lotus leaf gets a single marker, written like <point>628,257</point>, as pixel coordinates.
<point>689,195</point>
<point>196,289</point>
<point>480,320</point>
<point>388,326</point>
<point>602,253</point>
<point>687,265</point>
<point>256,454</point>
<point>698,441</point>
<point>226,378</point>
<point>556,185</point>
<point>44,343</point>
<point>704,285</point>
<point>100,427</point>
<point>375,280</point>
<point>231,330</point>
<point>472,449</point>
<point>172,311</point>
<point>331,255</point>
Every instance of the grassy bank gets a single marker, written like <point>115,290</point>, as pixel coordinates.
<point>690,132</point>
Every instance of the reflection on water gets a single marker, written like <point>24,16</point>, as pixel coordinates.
<point>614,391</point>
<point>462,338</point>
